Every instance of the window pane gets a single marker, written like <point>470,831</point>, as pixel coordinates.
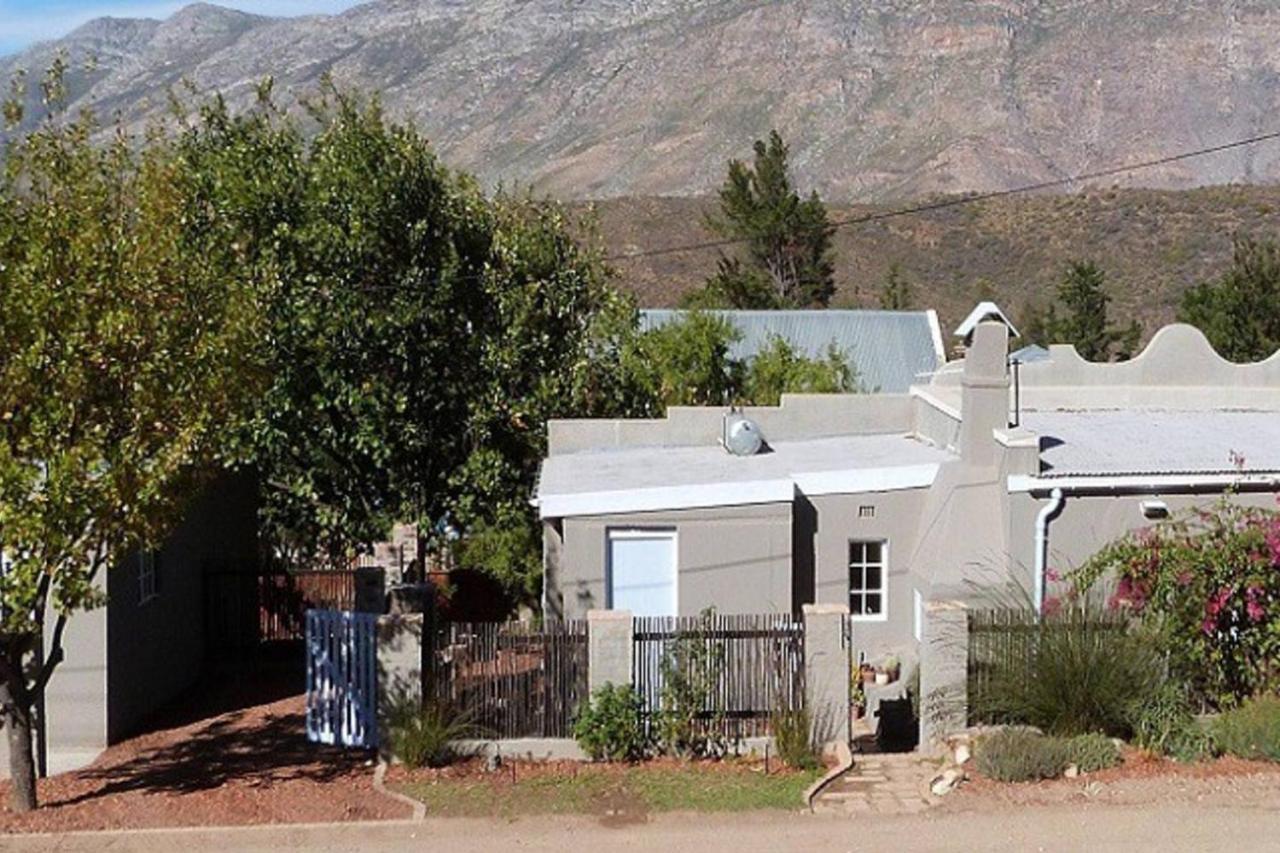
<point>856,554</point>
<point>873,604</point>
<point>873,579</point>
<point>873,552</point>
<point>855,604</point>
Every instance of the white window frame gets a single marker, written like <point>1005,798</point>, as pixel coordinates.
<point>147,590</point>
<point>883,591</point>
<point>614,533</point>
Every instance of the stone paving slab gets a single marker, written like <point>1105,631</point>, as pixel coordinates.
<point>883,784</point>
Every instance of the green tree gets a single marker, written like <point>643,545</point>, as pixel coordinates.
<point>1240,313</point>
<point>128,324</point>
<point>897,294</point>
<point>779,369</point>
<point>787,259</point>
<point>685,363</point>
<point>1083,321</point>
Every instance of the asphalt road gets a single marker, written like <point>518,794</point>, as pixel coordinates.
<point>1067,827</point>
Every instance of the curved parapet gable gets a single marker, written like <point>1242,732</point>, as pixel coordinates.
<point>1179,368</point>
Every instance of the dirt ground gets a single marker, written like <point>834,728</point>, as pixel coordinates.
<point>232,752</point>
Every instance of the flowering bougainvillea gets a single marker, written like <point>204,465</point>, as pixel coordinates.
<point>1210,581</point>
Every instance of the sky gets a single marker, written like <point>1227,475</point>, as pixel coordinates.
<point>25,21</point>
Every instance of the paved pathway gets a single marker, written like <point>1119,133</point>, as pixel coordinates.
<point>879,784</point>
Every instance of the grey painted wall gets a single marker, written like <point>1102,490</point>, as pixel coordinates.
<point>155,650</point>
<point>896,520</point>
<point>737,559</point>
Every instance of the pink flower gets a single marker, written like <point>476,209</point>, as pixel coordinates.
<point>1185,578</point>
<point>1256,611</point>
<point>1052,606</point>
<point>1207,626</point>
<point>1052,575</point>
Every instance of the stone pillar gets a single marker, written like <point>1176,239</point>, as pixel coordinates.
<point>401,663</point>
<point>609,648</point>
<point>944,673</point>
<point>827,663</point>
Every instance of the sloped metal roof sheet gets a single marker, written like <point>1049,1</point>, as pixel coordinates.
<point>1154,441</point>
<point>891,350</point>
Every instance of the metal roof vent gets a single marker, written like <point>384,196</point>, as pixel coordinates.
<point>741,436</point>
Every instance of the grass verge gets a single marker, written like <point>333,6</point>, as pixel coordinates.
<point>619,791</point>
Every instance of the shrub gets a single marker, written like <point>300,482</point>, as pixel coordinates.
<point>1082,671</point>
<point>1251,731</point>
<point>792,735</point>
<point>1021,755</point>
<point>611,726</point>
<point>1092,752</point>
<point>425,736</point>
<point>1166,725</point>
<point>1209,581</point>
<point>689,722</point>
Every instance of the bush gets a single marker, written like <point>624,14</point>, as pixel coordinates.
<point>424,736</point>
<point>1251,731</point>
<point>1166,725</point>
<point>1083,671</point>
<point>611,727</point>
<point>792,735</point>
<point>689,722</point>
<point>1092,752</point>
<point>1021,755</point>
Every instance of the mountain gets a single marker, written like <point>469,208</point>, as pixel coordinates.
<point>1153,245</point>
<point>880,99</point>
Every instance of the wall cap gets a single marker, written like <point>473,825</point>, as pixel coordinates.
<point>607,615</point>
<point>825,609</point>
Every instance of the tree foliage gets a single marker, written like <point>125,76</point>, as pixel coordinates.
<point>128,326</point>
<point>1240,313</point>
<point>786,259</point>
<point>897,293</point>
<point>1083,319</point>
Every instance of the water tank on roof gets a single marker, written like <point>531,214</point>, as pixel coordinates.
<point>742,436</point>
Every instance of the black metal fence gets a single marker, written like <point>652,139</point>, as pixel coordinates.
<point>752,664</point>
<point>510,679</point>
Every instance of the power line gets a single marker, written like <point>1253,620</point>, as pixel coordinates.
<point>968,199</point>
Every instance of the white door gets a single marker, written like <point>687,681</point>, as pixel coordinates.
<point>641,572</point>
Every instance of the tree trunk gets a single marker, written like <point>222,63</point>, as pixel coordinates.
<point>16,702</point>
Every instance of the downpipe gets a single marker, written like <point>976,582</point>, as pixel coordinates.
<point>1047,514</point>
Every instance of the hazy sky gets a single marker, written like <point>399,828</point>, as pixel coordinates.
<point>25,21</point>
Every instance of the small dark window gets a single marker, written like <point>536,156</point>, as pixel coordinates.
<point>867,578</point>
<point>148,576</point>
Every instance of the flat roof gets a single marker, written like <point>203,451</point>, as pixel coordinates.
<point>644,479</point>
<point>1120,442</point>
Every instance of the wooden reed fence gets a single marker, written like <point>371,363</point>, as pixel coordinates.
<point>1003,642</point>
<point>755,663</point>
<point>245,609</point>
<point>510,679</point>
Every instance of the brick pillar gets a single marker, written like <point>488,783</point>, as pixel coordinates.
<point>400,663</point>
<point>609,648</point>
<point>944,673</point>
<point>827,671</point>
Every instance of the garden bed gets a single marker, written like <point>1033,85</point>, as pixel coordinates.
<point>616,793</point>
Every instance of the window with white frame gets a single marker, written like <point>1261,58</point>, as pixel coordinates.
<point>148,587</point>
<point>868,571</point>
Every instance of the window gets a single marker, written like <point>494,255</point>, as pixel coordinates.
<point>640,572</point>
<point>867,579</point>
<point>148,588</point>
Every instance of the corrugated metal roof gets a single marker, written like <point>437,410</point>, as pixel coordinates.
<point>1151,441</point>
<point>891,350</point>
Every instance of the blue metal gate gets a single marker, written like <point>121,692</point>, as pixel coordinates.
<point>342,678</point>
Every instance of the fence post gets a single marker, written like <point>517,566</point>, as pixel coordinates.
<point>827,671</point>
<point>609,648</point>
<point>944,673</point>
<point>400,663</point>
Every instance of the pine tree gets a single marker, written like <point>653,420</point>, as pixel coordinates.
<point>1083,321</point>
<point>786,260</point>
<point>897,294</point>
<point>1240,313</point>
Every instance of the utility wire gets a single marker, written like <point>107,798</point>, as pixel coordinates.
<point>962,200</point>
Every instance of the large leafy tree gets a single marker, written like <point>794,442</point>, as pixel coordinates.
<point>127,332</point>
<point>1080,317</point>
<point>1240,313</point>
<point>786,259</point>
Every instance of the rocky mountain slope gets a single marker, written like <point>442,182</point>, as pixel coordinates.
<point>879,98</point>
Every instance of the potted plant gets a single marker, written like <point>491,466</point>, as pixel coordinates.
<point>890,667</point>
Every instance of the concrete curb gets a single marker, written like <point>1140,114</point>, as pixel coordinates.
<point>844,763</point>
<point>379,785</point>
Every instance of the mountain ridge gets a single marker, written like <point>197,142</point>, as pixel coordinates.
<point>879,99</point>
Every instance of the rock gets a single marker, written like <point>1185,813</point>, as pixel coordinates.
<point>1071,772</point>
<point>961,754</point>
<point>945,782</point>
